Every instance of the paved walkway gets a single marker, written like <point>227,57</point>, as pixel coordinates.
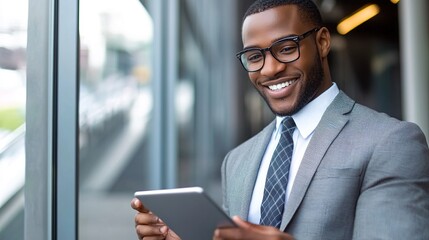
<point>107,217</point>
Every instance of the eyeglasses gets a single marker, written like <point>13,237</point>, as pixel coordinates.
<point>285,50</point>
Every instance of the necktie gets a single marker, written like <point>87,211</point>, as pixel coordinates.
<point>277,177</point>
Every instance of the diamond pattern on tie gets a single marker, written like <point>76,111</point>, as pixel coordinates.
<point>277,177</point>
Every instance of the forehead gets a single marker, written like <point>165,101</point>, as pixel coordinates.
<point>265,27</point>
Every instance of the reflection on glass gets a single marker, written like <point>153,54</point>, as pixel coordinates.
<point>13,44</point>
<point>114,107</point>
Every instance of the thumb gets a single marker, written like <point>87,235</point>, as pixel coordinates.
<point>241,223</point>
<point>136,204</point>
<point>244,224</point>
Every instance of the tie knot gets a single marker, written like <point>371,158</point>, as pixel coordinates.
<point>288,125</point>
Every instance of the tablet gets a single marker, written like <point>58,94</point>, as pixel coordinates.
<point>189,212</point>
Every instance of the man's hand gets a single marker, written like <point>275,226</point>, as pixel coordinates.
<point>150,226</point>
<point>249,231</point>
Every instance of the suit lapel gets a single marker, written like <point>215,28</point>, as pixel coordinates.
<point>331,124</point>
<point>250,167</point>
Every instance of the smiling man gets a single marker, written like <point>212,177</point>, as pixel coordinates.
<point>326,167</point>
<point>285,87</point>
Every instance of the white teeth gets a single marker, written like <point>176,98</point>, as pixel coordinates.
<point>281,85</point>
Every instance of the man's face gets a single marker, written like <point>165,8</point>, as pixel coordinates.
<point>286,87</point>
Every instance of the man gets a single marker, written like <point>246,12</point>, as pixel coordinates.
<point>348,172</point>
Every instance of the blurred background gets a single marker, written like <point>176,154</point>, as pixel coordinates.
<point>160,98</point>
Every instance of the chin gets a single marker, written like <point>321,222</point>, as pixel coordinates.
<point>284,111</point>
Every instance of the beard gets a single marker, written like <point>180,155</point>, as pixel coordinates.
<point>312,84</point>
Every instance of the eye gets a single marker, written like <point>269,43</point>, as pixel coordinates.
<point>285,48</point>
<point>253,56</point>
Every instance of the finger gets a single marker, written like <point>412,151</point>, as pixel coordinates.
<point>154,238</point>
<point>227,233</point>
<point>241,223</point>
<point>136,204</point>
<point>146,219</point>
<point>216,235</point>
<point>244,224</point>
<point>247,225</point>
<point>231,233</point>
<point>171,235</point>
<point>154,231</point>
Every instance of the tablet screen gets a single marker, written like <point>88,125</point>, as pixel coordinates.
<point>187,211</point>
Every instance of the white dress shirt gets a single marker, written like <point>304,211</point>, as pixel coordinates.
<point>306,121</point>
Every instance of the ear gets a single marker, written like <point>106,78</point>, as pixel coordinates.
<point>323,40</point>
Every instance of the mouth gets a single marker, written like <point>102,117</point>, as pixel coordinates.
<point>280,86</point>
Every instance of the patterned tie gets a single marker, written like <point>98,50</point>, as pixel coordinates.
<point>275,186</point>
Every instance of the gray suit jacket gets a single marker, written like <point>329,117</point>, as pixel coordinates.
<point>364,176</point>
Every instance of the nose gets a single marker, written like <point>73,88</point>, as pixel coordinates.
<point>272,66</point>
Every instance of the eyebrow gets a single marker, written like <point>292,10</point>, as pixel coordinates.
<point>275,40</point>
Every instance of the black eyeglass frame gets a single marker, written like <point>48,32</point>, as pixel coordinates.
<point>296,39</point>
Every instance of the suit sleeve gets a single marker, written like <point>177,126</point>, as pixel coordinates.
<point>224,184</point>
<point>394,199</point>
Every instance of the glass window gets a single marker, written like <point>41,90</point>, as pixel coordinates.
<point>13,44</point>
<point>114,108</point>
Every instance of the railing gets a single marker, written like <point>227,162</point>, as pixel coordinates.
<point>11,139</point>
<point>12,164</point>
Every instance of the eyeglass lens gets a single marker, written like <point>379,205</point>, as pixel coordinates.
<point>284,51</point>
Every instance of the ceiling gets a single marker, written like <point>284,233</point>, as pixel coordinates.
<point>385,24</point>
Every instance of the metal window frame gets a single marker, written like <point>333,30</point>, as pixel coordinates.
<point>66,115</point>
<point>52,112</point>
<point>163,142</point>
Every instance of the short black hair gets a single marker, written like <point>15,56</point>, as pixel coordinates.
<point>308,9</point>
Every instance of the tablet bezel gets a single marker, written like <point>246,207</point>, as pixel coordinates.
<point>189,212</point>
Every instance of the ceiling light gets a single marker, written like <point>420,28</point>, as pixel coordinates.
<point>357,18</point>
<point>394,1</point>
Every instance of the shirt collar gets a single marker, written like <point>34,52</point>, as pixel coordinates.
<point>309,116</point>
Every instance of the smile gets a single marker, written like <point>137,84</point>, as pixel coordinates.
<point>281,85</point>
